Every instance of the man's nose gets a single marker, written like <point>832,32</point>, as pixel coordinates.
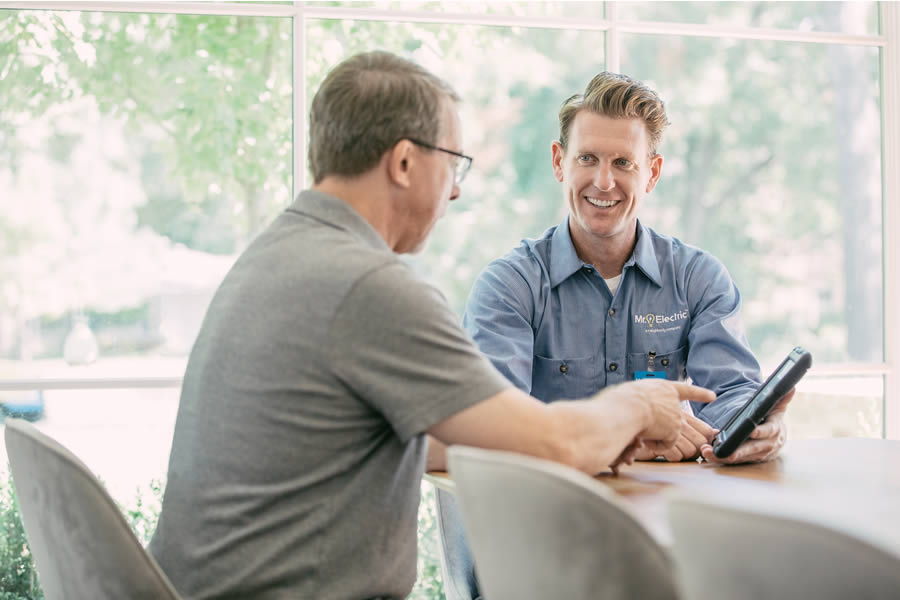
<point>455,192</point>
<point>603,178</point>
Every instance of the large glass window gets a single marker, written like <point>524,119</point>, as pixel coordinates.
<point>781,182</point>
<point>138,155</point>
<point>140,151</point>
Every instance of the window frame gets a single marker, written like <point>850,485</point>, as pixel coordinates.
<point>887,40</point>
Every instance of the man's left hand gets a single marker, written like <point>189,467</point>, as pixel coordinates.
<point>693,436</point>
<point>764,443</point>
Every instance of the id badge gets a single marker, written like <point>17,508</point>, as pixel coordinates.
<point>649,374</point>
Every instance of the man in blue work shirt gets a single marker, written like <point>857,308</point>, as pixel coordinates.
<point>602,299</point>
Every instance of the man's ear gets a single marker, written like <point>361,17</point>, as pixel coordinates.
<point>656,163</point>
<point>400,161</point>
<point>556,157</point>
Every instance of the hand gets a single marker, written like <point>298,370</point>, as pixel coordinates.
<point>628,456</point>
<point>662,400</point>
<point>764,443</point>
<point>693,436</point>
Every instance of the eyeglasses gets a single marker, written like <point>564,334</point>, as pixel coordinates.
<point>461,165</point>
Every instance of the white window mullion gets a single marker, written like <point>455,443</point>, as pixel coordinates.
<point>890,103</point>
<point>252,9</point>
<point>299,65</point>
<point>613,62</point>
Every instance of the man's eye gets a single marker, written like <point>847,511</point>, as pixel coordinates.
<point>622,162</point>
<point>585,158</point>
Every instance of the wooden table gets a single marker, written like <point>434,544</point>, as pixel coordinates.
<point>847,481</point>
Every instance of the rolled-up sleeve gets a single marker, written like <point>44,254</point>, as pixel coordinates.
<point>719,356</point>
<point>498,317</point>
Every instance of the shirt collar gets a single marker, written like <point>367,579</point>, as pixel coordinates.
<point>644,255</point>
<point>337,213</point>
<point>564,261</point>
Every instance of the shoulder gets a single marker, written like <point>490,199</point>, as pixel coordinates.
<point>526,264</point>
<point>689,262</point>
<point>395,283</point>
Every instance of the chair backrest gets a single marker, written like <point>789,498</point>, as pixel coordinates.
<point>743,549</point>
<point>457,568</point>
<point>81,543</point>
<point>541,530</point>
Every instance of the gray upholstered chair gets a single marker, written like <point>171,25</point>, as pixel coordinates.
<point>81,543</point>
<point>457,569</point>
<point>541,530</point>
<point>749,548</point>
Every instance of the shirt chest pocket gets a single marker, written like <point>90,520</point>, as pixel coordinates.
<point>558,378</point>
<point>673,364</point>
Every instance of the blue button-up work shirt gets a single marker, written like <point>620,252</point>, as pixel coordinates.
<point>549,323</point>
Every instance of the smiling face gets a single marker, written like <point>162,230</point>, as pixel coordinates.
<point>605,173</point>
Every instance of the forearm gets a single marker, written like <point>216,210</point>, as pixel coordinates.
<point>599,429</point>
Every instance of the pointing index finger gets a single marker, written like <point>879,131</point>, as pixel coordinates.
<point>693,393</point>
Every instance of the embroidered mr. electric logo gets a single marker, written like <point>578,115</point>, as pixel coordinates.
<point>661,322</point>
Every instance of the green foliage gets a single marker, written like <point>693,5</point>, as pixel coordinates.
<point>429,585</point>
<point>18,576</point>
<point>143,513</point>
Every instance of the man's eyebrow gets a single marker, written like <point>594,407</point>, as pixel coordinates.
<point>615,153</point>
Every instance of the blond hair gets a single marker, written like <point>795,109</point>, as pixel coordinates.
<point>619,97</point>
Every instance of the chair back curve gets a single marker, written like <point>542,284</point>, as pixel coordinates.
<point>81,543</point>
<point>542,530</point>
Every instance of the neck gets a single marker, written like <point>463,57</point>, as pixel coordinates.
<point>367,195</point>
<point>607,254</point>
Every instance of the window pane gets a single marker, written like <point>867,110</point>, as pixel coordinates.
<point>529,9</point>
<point>773,164</point>
<point>845,17</point>
<point>123,436</point>
<point>512,86</point>
<point>827,407</point>
<point>139,154</point>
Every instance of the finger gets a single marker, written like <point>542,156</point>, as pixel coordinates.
<point>701,427</point>
<point>693,393</point>
<point>657,447</point>
<point>765,430</point>
<point>695,440</point>
<point>772,426</point>
<point>697,431</point>
<point>706,451</point>
<point>751,451</point>
<point>673,455</point>
<point>689,443</point>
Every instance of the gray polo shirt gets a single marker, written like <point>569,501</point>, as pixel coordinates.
<point>298,448</point>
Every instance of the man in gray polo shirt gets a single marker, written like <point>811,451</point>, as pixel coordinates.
<point>323,362</point>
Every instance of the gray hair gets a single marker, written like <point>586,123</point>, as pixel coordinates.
<point>367,104</point>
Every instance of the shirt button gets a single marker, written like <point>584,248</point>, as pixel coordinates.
<point>613,366</point>
<point>612,312</point>
<point>665,362</point>
<point>563,368</point>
